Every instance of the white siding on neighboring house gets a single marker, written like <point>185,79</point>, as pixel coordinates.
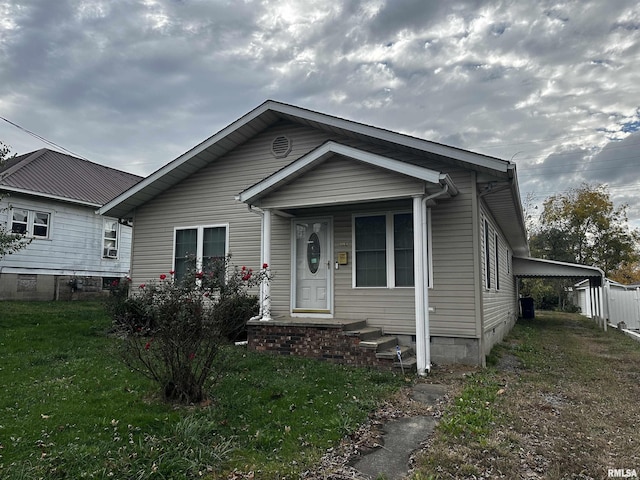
<point>74,244</point>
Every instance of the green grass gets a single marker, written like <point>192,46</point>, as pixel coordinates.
<point>560,400</point>
<point>473,411</point>
<point>70,409</point>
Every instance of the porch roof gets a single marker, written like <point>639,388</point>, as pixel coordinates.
<point>299,167</point>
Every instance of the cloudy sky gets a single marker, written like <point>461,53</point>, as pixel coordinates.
<point>552,85</point>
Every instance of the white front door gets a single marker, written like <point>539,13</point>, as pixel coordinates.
<point>311,274</point>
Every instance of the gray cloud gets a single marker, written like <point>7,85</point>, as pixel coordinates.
<point>134,84</point>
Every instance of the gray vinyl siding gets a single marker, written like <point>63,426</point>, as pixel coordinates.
<point>393,309</point>
<point>499,304</point>
<point>207,198</point>
<point>454,290</point>
<point>342,180</point>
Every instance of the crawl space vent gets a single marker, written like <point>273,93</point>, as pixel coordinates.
<point>281,146</point>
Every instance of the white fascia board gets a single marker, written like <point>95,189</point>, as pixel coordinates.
<point>48,196</point>
<point>185,157</point>
<point>390,136</point>
<point>311,116</point>
<point>329,148</point>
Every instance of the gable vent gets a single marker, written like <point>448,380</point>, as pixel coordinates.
<point>281,146</point>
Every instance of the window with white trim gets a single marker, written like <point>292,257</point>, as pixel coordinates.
<point>487,256</point>
<point>110,238</point>
<point>196,247</point>
<point>31,223</point>
<point>383,250</point>
<point>497,257</point>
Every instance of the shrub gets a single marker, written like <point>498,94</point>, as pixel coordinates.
<point>172,328</point>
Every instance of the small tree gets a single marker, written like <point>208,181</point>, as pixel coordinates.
<point>9,242</point>
<point>172,329</point>
<point>583,226</point>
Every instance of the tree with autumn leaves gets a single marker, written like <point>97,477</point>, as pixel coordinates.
<point>9,242</point>
<point>584,226</point>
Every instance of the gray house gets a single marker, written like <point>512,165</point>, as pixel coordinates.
<point>52,198</point>
<point>381,245</point>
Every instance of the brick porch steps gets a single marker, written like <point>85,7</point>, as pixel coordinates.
<point>350,342</point>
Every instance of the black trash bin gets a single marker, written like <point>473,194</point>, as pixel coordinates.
<point>526,306</point>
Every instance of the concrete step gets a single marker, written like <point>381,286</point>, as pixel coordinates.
<point>391,353</point>
<point>364,333</point>
<point>409,364</point>
<point>353,325</point>
<point>380,344</point>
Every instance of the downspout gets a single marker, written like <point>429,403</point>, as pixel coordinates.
<point>261,215</point>
<point>423,334</point>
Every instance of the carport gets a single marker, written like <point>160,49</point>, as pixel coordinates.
<point>527,267</point>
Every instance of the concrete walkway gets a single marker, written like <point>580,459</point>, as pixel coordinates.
<point>401,437</point>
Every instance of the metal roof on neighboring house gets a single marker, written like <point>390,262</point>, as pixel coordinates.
<point>55,175</point>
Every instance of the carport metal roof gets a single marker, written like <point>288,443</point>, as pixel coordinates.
<point>527,267</point>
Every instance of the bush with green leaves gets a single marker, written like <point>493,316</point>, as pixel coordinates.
<point>172,328</point>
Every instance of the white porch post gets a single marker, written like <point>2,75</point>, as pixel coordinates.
<point>420,287</point>
<point>265,288</point>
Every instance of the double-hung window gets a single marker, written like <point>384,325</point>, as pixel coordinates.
<point>30,222</point>
<point>497,255</point>
<point>487,255</point>
<point>196,248</point>
<point>383,250</point>
<point>110,238</point>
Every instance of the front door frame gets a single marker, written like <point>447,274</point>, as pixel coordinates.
<point>313,313</point>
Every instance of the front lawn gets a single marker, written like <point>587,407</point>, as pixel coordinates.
<point>69,408</point>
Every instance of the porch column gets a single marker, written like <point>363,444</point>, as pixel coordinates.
<point>265,287</point>
<point>421,299</point>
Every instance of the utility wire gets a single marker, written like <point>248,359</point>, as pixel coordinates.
<point>41,138</point>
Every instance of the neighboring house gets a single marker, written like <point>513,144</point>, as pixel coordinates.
<point>52,198</point>
<point>374,238</point>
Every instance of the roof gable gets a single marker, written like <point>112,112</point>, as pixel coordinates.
<point>268,114</point>
<point>330,149</point>
<point>55,175</point>
<point>492,170</point>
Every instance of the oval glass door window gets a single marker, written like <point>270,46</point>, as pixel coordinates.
<point>313,252</point>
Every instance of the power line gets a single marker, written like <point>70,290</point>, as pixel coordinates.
<point>41,138</point>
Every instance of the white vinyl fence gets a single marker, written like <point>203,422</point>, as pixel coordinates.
<point>618,302</point>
